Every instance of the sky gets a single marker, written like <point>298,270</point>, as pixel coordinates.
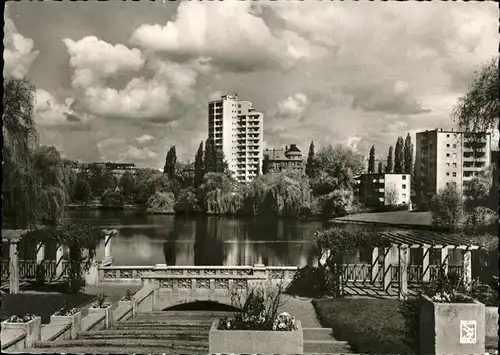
<point>124,81</point>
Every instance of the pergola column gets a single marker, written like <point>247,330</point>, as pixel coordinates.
<point>375,267</point>
<point>59,261</point>
<point>387,268</point>
<point>40,253</point>
<point>444,261</point>
<point>467,268</point>
<point>425,264</point>
<point>14,266</point>
<point>108,258</point>
<point>403,271</point>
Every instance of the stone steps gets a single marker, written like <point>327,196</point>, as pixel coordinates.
<point>326,346</point>
<point>166,323</point>
<point>113,350</point>
<point>175,334</point>
<point>200,345</point>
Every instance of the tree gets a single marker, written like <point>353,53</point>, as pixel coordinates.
<point>221,165</point>
<point>310,164</point>
<point>198,166</point>
<point>20,200</point>
<point>209,162</point>
<point>127,185</point>
<point>265,165</point>
<point>112,198</point>
<point>101,179</point>
<point>391,196</point>
<point>371,161</point>
<point>82,192</point>
<point>184,175</point>
<point>478,110</point>
<point>380,169</point>
<point>161,202</point>
<point>447,208</point>
<point>408,155</point>
<point>388,166</point>
<point>336,168</point>
<point>170,162</point>
<point>399,156</point>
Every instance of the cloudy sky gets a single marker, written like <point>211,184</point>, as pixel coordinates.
<point>123,81</point>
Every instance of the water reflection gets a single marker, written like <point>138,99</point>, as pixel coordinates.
<point>207,240</point>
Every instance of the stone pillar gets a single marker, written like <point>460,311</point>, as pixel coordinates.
<point>375,268</point>
<point>108,258</point>
<point>14,266</point>
<point>444,259</point>
<point>425,264</point>
<point>40,253</point>
<point>403,272</point>
<point>467,268</point>
<point>59,262</point>
<point>387,268</point>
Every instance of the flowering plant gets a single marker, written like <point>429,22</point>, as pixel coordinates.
<point>101,301</point>
<point>451,297</point>
<point>284,322</point>
<point>21,319</point>
<point>128,296</point>
<point>66,311</point>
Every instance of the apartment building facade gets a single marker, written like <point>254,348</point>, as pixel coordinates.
<point>447,157</point>
<point>237,129</point>
<point>384,189</point>
<point>289,158</point>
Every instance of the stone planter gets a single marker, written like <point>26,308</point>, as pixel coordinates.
<point>255,341</point>
<point>491,322</point>
<point>31,328</point>
<point>106,311</point>
<point>451,328</point>
<point>132,303</point>
<point>75,321</point>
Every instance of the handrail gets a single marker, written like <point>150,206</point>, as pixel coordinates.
<point>7,344</point>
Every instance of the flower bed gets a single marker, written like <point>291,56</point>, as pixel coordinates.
<point>29,324</point>
<point>104,307</point>
<point>129,301</point>
<point>451,327</point>
<point>68,316</point>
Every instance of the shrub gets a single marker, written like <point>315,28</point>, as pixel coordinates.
<point>101,301</point>
<point>128,296</point>
<point>21,319</point>
<point>39,275</point>
<point>66,311</point>
<point>308,281</point>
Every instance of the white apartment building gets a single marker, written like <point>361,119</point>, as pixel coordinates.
<point>238,130</point>
<point>385,189</point>
<point>448,157</point>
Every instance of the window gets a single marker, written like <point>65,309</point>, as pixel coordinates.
<point>404,195</point>
<point>454,174</point>
<point>455,155</point>
<point>447,136</point>
<point>447,146</point>
<point>448,155</point>
<point>454,145</point>
<point>404,177</point>
<point>447,184</point>
<point>448,165</point>
<point>447,174</point>
<point>454,165</point>
<point>404,186</point>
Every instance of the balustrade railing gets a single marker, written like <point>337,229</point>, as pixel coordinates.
<point>456,271</point>
<point>357,273</point>
<point>414,273</point>
<point>27,269</point>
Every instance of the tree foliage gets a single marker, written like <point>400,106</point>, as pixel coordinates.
<point>447,208</point>
<point>478,110</point>
<point>310,164</point>
<point>209,159</point>
<point>170,162</point>
<point>390,159</point>
<point>371,160</point>
<point>380,168</point>
<point>199,169</point>
<point>408,155</point>
<point>399,156</point>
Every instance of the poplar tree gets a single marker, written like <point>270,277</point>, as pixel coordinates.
<point>388,166</point>
<point>371,161</point>
<point>408,155</point>
<point>170,162</point>
<point>198,166</point>
<point>380,167</point>
<point>399,156</point>
<point>310,165</point>
<point>209,158</point>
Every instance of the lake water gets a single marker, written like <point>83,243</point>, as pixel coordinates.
<point>144,239</point>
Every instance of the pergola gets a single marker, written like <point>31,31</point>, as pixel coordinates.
<point>404,240</point>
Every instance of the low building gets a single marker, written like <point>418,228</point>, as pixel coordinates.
<point>289,158</point>
<point>384,189</point>
<point>117,169</point>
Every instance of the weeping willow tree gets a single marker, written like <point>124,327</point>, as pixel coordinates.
<point>36,185</point>
<point>283,194</point>
<point>20,204</point>
<point>217,192</point>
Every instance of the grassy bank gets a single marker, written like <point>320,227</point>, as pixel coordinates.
<point>369,325</point>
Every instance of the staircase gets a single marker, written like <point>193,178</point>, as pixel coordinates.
<point>168,332</point>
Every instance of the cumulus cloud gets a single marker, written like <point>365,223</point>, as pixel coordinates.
<point>94,60</point>
<point>231,34</point>
<point>19,52</point>
<point>134,153</point>
<point>292,107</point>
<point>49,113</point>
<point>144,138</point>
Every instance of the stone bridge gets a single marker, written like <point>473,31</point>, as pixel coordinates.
<point>175,285</point>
